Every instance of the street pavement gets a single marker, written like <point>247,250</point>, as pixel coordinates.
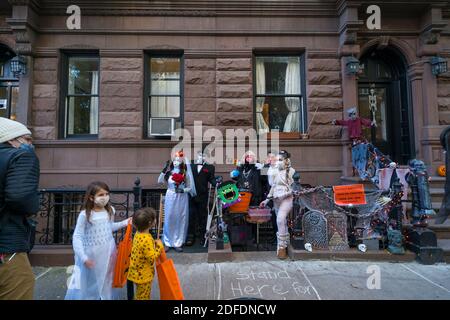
<point>261,275</point>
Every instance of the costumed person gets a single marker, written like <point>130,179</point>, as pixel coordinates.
<point>204,174</point>
<point>354,124</point>
<point>268,173</point>
<point>144,253</point>
<point>248,177</point>
<point>282,196</point>
<point>95,248</point>
<point>180,184</point>
<point>359,150</point>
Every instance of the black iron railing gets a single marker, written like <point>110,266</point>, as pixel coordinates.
<point>60,207</point>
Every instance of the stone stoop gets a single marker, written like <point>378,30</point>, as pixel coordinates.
<point>351,254</point>
<point>51,256</point>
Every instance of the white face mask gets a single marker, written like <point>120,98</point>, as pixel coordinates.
<point>176,163</point>
<point>200,159</point>
<point>101,201</point>
<point>279,164</point>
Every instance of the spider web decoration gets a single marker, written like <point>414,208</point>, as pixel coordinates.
<point>321,199</point>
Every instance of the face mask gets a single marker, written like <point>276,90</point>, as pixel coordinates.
<point>200,159</point>
<point>101,201</point>
<point>279,164</point>
<point>25,146</point>
<point>176,163</point>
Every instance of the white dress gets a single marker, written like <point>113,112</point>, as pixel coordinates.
<point>94,240</point>
<point>176,215</point>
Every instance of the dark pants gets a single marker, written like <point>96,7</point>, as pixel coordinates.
<point>198,215</point>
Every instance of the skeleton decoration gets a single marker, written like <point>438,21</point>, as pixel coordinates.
<point>373,104</point>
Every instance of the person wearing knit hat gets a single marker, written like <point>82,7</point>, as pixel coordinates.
<point>19,182</point>
<point>10,130</point>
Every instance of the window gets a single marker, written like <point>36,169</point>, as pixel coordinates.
<point>279,94</point>
<point>80,99</point>
<point>163,94</point>
<point>9,91</point>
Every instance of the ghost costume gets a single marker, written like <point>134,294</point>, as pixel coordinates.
<point>94,240</point>
<point>176,209</point>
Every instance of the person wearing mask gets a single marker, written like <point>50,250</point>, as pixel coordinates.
<point>203,174</point>
<point>19,199</point>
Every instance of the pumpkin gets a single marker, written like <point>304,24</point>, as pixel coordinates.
<point>441,171</point>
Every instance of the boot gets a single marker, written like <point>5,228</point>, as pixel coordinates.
<point>282,253</point>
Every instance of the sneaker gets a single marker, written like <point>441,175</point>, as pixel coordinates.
<point>178,249</point>
<point>282,253</point>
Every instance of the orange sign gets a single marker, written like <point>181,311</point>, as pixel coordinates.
<point>351,194</point>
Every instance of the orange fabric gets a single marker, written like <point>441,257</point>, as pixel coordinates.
<point>169,284</point>
<point>123,259</point>
<point>349,194</point>
<point>241,206</point>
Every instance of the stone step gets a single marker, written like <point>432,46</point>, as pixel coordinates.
<point>437,182</point>
<point>442,230</point>
<point>51,256</point>
<point>351,254</point>
<point>437,194</point>
<point>445,245</point>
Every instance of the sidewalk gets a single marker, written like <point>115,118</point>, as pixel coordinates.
<point>261,275</point>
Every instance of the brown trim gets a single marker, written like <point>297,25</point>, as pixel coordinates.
<point>168,143</point>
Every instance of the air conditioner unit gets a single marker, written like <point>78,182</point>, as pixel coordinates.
<point>162,126</point>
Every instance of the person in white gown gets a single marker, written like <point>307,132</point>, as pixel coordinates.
<point>95,248</point>
<point>180,183</point>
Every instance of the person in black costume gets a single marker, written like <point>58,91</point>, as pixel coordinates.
<point>249,178</point>
<point>198,206</point>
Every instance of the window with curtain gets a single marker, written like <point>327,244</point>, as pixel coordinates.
<point>279,100</point>
<point>81,96</point>
<point>164,91</point>
<point>9,85</point>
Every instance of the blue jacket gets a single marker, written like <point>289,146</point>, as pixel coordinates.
<point>19,197</point>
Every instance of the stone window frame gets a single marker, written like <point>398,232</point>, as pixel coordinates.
<point>304,108</point>
<point>147,88</point>
<point>65,55</point>
<point>9,81</point>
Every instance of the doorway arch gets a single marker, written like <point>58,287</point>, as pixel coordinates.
<point>383,95</point>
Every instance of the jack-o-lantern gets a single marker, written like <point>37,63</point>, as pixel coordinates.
<point>441,171</point>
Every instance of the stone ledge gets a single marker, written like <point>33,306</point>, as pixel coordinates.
<point>350,255</point>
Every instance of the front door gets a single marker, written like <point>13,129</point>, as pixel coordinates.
<point>382,95</point>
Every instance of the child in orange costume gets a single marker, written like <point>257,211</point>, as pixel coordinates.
<point>144,253</point>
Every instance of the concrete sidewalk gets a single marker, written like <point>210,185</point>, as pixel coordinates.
<point>261,275</point>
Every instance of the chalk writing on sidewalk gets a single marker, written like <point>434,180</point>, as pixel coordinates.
<point>267,285</point>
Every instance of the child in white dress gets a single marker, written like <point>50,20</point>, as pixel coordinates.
<point>94,247</point>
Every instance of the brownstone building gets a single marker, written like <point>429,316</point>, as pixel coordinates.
<point>100,97</point>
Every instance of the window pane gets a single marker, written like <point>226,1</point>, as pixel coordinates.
<point>4,102</point>
<point>165,68</point>
<point>83,75</point>
<point>165,107</point>
<point>165,87</point>
<point>282,114</point>
<point>14,99</point>
<point>278,75</point>
<point>82,115</point>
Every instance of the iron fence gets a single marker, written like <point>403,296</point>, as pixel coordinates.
<point>60,207</point>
